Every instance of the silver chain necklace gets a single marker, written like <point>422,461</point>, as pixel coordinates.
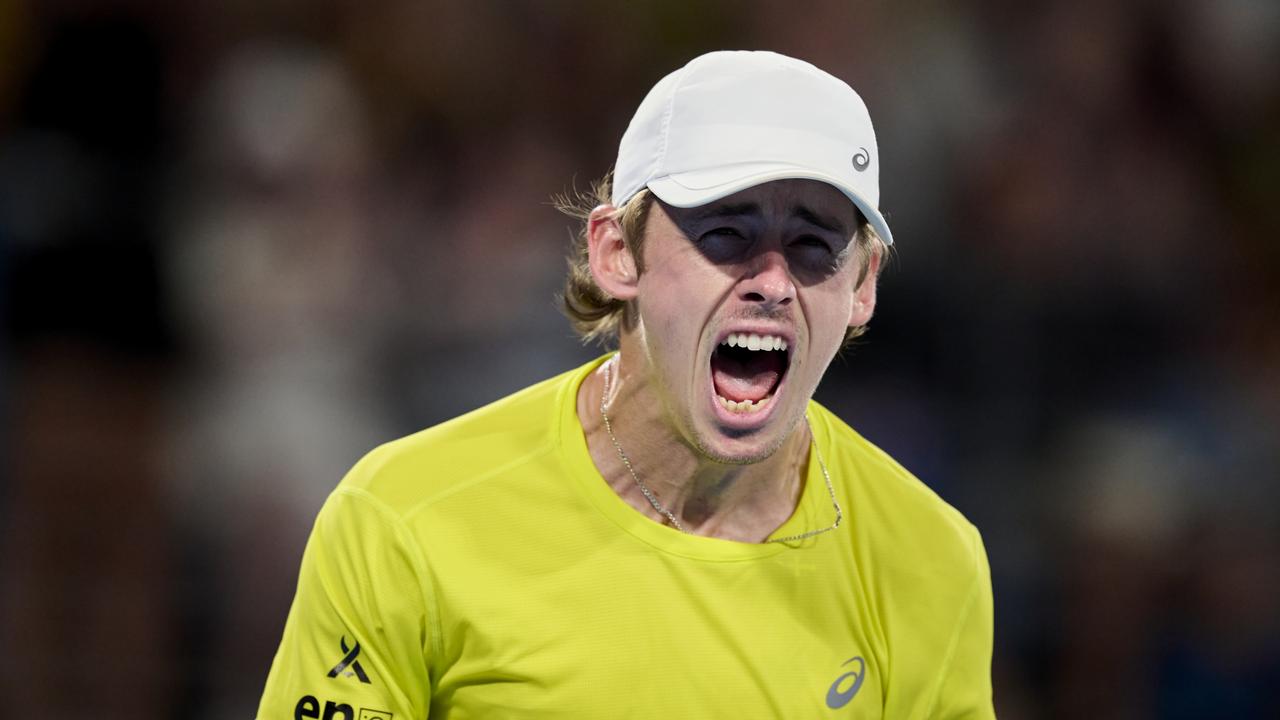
<point>653,499</point>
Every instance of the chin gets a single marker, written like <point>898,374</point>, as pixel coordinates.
<point>730,447</point>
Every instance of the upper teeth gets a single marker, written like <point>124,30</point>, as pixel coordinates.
<point>752,341</point>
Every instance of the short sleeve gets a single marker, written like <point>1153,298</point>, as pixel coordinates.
<point>965,688</point>
<point>356,644</point>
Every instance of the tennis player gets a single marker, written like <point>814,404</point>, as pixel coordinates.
<point>675,529</point>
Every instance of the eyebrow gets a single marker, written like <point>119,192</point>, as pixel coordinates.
<point>737,210</point>
<point>822,221</point>
<point>750,208</point>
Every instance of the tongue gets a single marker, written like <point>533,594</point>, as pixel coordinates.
<point>749,376</point>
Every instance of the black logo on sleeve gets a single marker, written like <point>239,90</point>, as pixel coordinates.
<point>349,661</point>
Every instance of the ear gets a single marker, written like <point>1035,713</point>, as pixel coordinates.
<point>864,296</point>
<point>612,264</point>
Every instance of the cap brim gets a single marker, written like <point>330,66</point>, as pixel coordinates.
<point>692,189</point>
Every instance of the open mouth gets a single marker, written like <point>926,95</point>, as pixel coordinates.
<point>746,369</point>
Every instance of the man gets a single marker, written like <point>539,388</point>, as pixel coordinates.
<point>674,530</point>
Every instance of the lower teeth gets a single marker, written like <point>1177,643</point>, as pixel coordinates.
<point>744,406</point>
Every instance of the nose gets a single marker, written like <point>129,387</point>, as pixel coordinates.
<point>767,281</point>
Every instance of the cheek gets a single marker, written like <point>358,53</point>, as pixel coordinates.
<point>830,309</point>
<point>674,293</point>
<point>673,308</point>
<point>678,338</point>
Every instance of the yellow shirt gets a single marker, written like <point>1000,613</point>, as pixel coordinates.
<point>482,568</point>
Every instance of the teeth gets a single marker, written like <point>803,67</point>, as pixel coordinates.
<point>744,406</point>
<point>752,341</point>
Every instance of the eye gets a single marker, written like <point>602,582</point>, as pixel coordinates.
<point>724,244</point>
<point>812,251</point>
<point>814,256</point>
<point>812,243</point>
<point>730,231</point>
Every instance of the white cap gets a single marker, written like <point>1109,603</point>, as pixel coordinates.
<point>730,120</point>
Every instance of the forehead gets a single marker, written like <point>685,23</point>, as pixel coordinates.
<point>810,199</point>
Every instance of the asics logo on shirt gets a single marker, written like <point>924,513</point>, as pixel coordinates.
<point>852,682</point>
<point>349,661</point>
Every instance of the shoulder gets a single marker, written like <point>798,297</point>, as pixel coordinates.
<point>902,522</point>
<point>407,473</point>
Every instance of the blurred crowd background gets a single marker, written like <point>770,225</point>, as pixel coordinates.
<point>243,242</point>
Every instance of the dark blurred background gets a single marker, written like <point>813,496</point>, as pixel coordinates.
<point>242,242</point>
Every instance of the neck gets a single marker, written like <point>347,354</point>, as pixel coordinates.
<point>736,502</point>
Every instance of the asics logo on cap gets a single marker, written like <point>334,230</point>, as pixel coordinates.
<point>861,159</point>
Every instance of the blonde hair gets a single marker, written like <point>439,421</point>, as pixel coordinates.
<point>597,317</point>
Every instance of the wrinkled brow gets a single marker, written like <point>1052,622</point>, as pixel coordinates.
<point>719,211</point>
<point>825,222</point>
<point>803,212</point>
